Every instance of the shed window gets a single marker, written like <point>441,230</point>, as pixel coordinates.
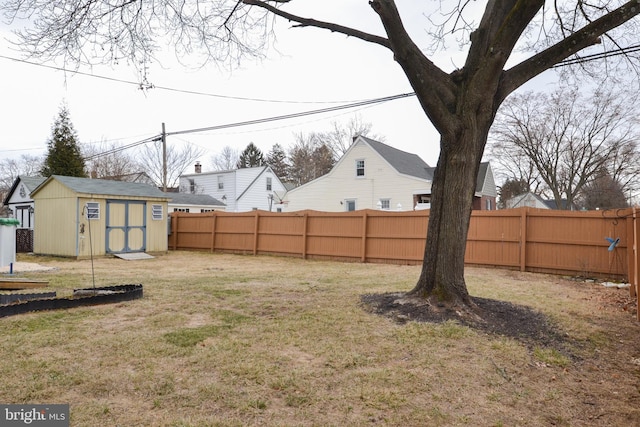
<point>156,212</point>
<point>93,210</point>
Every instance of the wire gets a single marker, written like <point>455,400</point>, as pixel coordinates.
<point>123,147</point>
<point>295,115</point>
<point>596,56</point>
<point>145,86</point>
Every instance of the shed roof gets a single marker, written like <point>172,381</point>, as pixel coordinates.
<point>105,187</point>
<point>193,199</point>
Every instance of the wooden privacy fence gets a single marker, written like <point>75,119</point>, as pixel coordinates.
<point>558,242</point>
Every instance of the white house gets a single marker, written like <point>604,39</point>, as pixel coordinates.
<point>373,175</point>
<point>531,200</point>
<point>370,175</point>
<point>241,190</point>
<point>19,199</point>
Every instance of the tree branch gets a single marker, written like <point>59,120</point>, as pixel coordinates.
<point>585,37</point>
<point>308,22</point>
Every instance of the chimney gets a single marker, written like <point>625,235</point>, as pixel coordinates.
<point>198,167</point>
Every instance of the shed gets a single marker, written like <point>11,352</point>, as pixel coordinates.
<point>80,217</point>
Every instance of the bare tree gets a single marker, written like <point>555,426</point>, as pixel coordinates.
<point>564,139</point>
<point>178,160</point>
<point>342,135</point>
<point>603,192</point>
<point>226,159</point>
<point>10,169</point>
<point>107,160</point>
<point>461,104</point>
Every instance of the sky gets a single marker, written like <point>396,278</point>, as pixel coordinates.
<point>308,69</point>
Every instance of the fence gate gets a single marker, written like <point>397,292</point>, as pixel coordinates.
<point>24,240</point>
<point>126,226</point>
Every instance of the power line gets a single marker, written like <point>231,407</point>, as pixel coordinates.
<point>295,115</point>
<point>600,55</point>
<point>123,147</point>
<point>369,102</point>
<point>146,86</point>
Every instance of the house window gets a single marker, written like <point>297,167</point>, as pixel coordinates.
<point>385,204</point>
<point>269,184</point>
<point>192,186</point>
<point>488,204</point>
<point>359,167</point>
<point>350,205</point>
<point>220,182</point>
<point>93,210</point>
<point>156,212</point>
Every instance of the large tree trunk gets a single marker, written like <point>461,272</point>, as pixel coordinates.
<point>442,275</point>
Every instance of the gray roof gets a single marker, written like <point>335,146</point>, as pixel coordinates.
<point>32,182</point>
<point>193,199</point>
<point>106,187</point>
<point>403,162</point>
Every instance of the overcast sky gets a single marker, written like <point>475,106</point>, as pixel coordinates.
<point>311,68</point>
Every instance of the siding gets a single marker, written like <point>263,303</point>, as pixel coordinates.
<point>56,221</point>
<point>381,181</point>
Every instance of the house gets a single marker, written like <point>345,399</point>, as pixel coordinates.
<point>532,200</point>
<point>194,203</point>
<point>485,195</point>
<point>19,200</point>
<point>373,175</point>
<point>241,190</point>
<point>83,217</point>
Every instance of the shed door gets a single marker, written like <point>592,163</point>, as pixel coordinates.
<point>126,226</point>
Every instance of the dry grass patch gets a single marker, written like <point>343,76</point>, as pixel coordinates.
<point>240,340</point>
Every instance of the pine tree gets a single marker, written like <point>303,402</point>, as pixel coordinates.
<point>277,159</point>
<point>251,157</point>
<point>63,152</point>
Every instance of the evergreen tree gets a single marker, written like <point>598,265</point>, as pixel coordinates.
<point>277,159</point>
<point>63,152</point>
<point>251,157</point>
<point>512,187</point>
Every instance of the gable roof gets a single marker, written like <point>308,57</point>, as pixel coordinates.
<point>31,182</point>
<point>105,187</point>
<point>193,199</point>
<point>405,163</point>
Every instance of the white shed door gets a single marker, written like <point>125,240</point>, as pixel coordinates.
<point>126,226</point>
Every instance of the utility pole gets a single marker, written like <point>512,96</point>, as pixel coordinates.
<point>164,159</point>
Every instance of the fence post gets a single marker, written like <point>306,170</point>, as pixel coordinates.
<point>213,232</point>
<point>523,239</point>
<point>255,232</point>
<point>363,257</point>
<point>305,217</point>
<point>174,231</point>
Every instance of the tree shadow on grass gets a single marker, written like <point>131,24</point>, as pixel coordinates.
<point>502,318</point>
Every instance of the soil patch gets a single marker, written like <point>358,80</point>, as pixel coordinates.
<point>521,323</point>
